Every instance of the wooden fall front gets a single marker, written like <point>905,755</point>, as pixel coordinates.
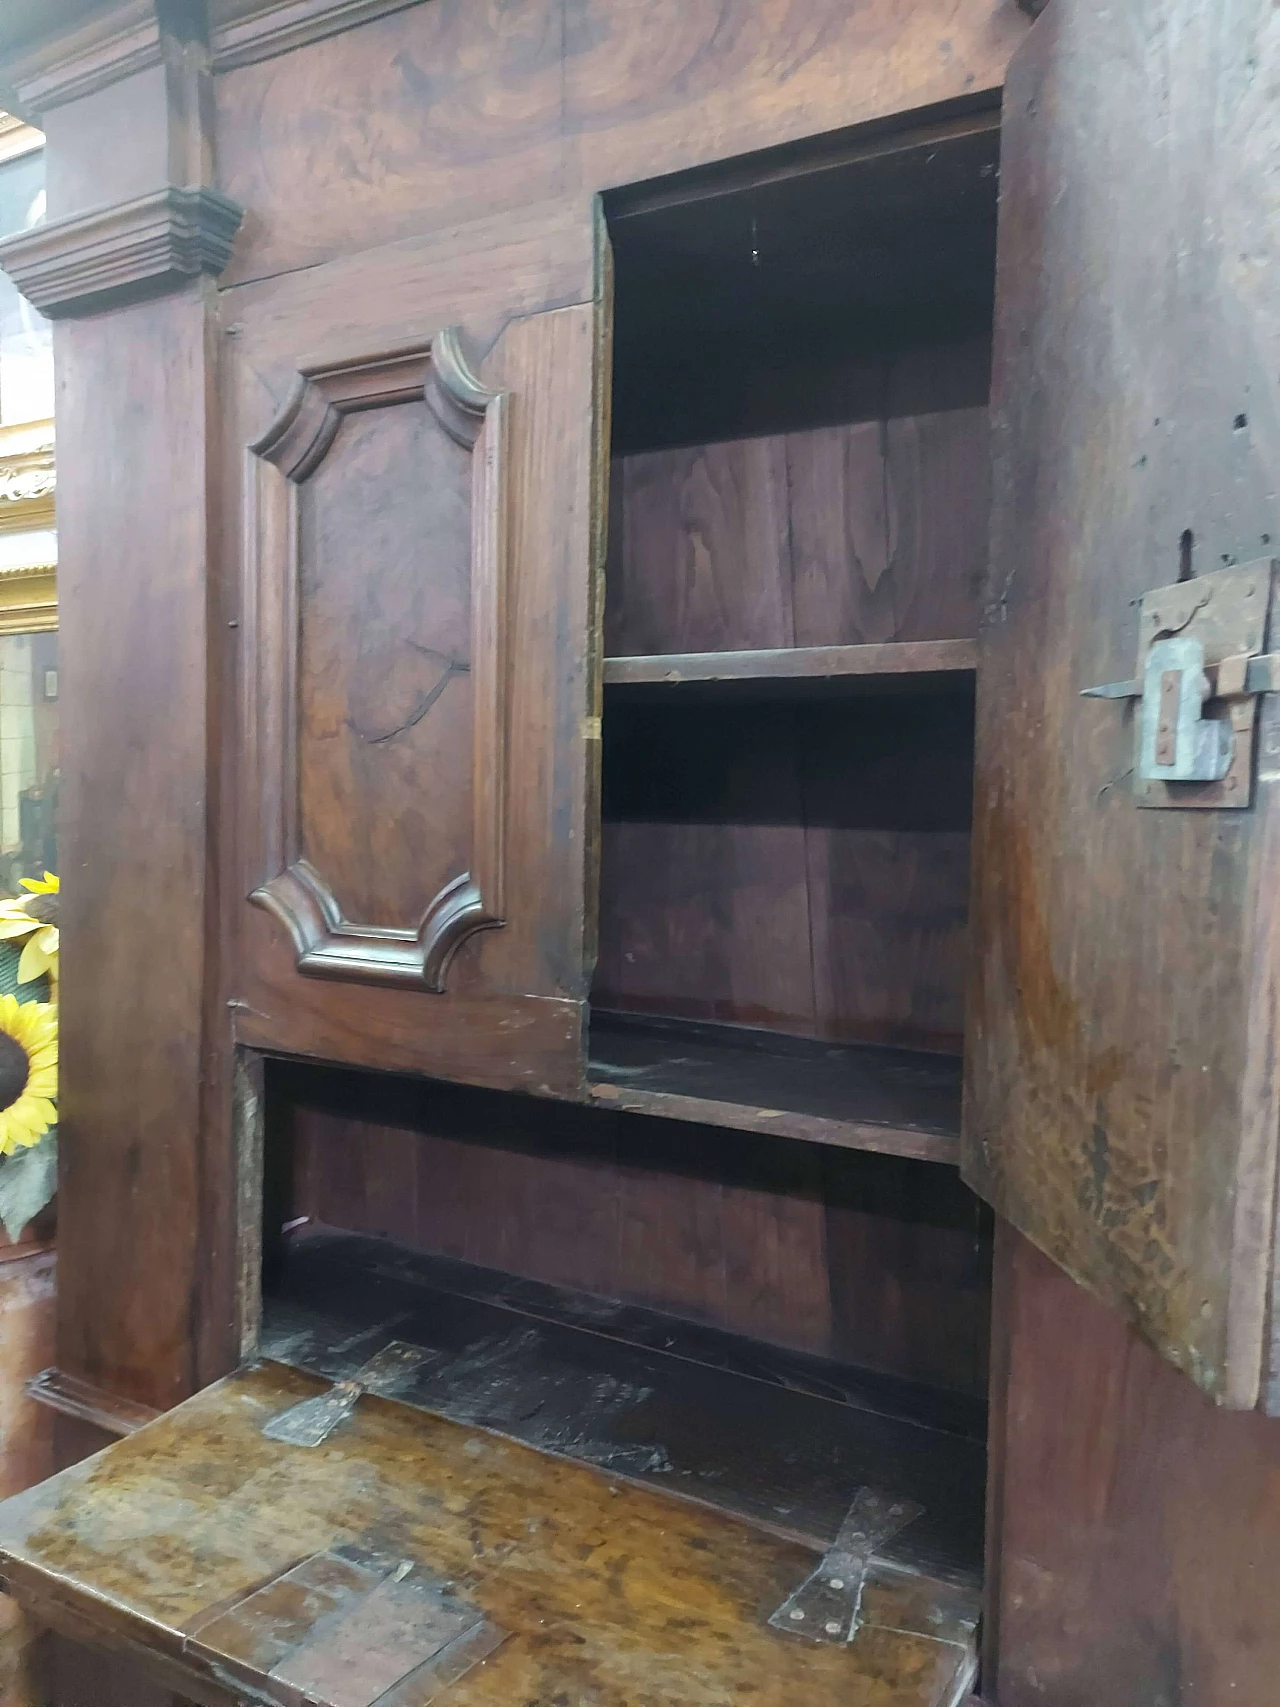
<point>590,876</point>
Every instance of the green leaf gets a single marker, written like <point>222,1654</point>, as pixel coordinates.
<point>28,1181</point>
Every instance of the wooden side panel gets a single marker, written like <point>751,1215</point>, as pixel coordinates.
<point>440,112</point>
<point>418,656</point>
<point>1120,1095</point>
<point>1139,1542</point>
<point>134,801</point>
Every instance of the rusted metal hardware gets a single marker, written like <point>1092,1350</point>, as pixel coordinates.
<point>827,1605</point>
<point>1200,670</point>
<point>312,1421</point>
<point>349,1627</point>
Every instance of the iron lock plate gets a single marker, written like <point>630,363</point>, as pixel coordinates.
<point>1201,667</point>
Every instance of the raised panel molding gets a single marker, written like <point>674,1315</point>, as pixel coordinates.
<point>327,944</point>
<point>291,24</point>
<point>112,254</point>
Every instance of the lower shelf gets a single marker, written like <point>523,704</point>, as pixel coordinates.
<point>900,1102</point>
<point>777,1437</point>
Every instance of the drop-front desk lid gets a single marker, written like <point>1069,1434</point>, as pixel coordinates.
<point>407,1559</point>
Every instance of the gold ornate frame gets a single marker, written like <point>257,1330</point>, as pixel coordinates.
<point>29,582</point>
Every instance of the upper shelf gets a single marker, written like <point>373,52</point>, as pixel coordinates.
<point>937,660</point>
<point>899,1102</point>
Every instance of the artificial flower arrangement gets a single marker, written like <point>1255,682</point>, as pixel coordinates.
<point>28,1052</point>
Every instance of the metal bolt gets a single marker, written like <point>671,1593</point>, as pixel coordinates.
<point>832,1627</point>
<point>836,1582</point>
<point>796,1613</point>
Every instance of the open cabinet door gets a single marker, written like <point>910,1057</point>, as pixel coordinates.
<point>1121,1085</point>
<point>421,436</point>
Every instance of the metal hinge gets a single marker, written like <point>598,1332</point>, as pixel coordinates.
<point>827,1605</point>
<point>311,1421</point>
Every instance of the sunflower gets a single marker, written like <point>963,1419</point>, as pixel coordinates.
<point>28,1072</point>
<point>34,917</point>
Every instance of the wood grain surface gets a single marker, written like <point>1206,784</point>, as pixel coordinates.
<point>384,670</point>
<point>798,865</point>
<point>1137,1537</point>
<point>871,531</point>
<point>1121,1094</point>
<point>782,1438</point>
<point>138,686</point>
<point>597,1586</point>
<point>899,1102</point>
<point>419,120</point>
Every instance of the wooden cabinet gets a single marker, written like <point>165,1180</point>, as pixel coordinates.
<point>662,486</point>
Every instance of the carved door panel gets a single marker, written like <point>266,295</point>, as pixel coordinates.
<point>419,674</point>
<point>1122,1099</point>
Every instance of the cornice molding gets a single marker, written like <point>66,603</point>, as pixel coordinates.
<point>289,24</point>
<point>101,52</point>
<point>140,247</point>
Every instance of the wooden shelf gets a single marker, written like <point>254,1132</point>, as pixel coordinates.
<point>778,1437</point>
<point>931,658</point>
<point>899,1102</point>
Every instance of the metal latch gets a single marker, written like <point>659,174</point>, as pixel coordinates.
<point>827,1605</point>
<point>312,1421</point>
<point>1201,668</point>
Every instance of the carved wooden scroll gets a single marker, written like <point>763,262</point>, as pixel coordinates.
<point>378,604</point>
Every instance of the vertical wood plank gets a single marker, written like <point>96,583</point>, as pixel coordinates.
<point>135,827</point>
<point>777,1282</point>
<point>890,938</point>
<point>1138,1529</point>
<point>843,536</point>
<point>707,921</point>
<point>938,485</point>
<point>703,560</point>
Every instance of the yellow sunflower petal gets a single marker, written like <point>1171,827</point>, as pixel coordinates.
<point>34,962</point>
<point>24,1123</point>
<point>32,1025</point>
<point>36,1113</point>
<point>24,926</point>
<point>43,1084</point>
<point>46,885</point>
